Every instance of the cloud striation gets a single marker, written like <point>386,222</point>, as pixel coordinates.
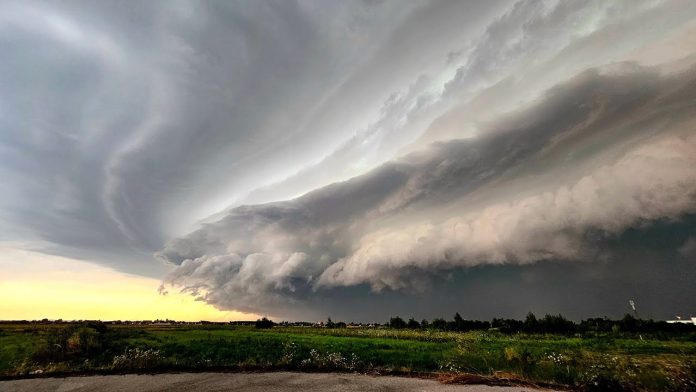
<point>541,184</point>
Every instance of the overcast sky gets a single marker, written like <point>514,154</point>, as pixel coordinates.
<point>360,158</point>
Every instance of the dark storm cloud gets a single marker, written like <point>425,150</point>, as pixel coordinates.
<point>122,126</point>
<point>644,266</point>
<point>510,196</point>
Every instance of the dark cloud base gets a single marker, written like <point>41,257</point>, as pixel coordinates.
<point>643,264</point>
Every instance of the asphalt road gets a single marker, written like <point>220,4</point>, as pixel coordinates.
<point>243,382</point>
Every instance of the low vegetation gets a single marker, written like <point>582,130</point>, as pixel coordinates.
<point>628,354</point>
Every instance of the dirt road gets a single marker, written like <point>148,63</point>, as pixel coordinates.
<point>243,382</point>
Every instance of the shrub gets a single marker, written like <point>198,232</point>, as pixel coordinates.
<point>264,323</point>
<point>521,359</point>
<point>70,343</point>
<point>290,353</point>
<point>84,341</point>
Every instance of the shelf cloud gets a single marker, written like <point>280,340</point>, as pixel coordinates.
<point>306,158</point>
<point>536,186</point>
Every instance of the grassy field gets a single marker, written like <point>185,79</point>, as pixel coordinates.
<point>596,362</point>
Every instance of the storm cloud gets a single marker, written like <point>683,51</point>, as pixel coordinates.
<point>535,186</point>
<point>294,157</point>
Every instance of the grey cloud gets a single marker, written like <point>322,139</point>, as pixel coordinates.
<point>122,125</point>
<point>643,266</point>
<point>127,111</point>
<point>688,248</point>
<point>460,203</point>
<point>494,67</point>
<point>548,226</point>
<point>552,40</point>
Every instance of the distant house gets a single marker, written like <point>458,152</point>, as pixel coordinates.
<point>679,320</point>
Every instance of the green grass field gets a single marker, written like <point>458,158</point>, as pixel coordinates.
<point>597,362</point>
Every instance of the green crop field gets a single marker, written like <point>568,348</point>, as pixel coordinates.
<point>597,361</point>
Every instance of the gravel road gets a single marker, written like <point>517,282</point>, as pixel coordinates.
<point>243,382</point>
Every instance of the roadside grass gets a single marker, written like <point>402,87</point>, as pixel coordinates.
<point>592,362</point>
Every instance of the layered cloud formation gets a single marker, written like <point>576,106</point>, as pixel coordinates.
<point>332,155</point>
<point>607,151</point>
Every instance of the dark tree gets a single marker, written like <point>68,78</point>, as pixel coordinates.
<point>264,323</point>
<point>439,324</point>
<point>413,324</point>
<point>458,322</point>
<point>628,324</point>
<point>556,324</point>
<point>507,325</point>
<point>397,322</point>
<point>531,324</point>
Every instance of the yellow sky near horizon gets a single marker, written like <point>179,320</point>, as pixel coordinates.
<point>36,286</point>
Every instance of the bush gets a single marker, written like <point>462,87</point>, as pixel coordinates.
<point>264,323</point>
<point>67,343</point>
<point>523,360</point>
<point>290,353</point>
<point>84,341</point>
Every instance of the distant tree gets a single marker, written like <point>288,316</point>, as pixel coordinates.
<point>556,324</point>
<point>425,324</point>
<point>461,325</point>
<point>413,324</point>
<point>330,324</point>
<point>340,324</point>
<point>439,324</point>
<point>628,324</point>
<point>397,322</point>
<point>264,323</point>
<point>596,325</point>
<point>507,325</point>
<point>531,324</point>
<point>458,322</point>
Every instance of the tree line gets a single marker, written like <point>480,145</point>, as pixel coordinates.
<point>551,324</point>
<point>548,324</point>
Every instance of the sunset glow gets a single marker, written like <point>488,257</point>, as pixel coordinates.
<point>36,286</point>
